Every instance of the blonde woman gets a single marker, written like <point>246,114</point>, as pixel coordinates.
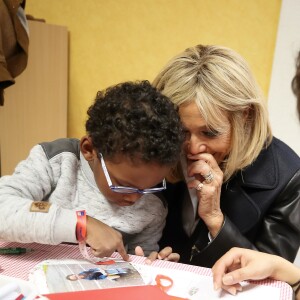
<point>243,264</point>
<point>238,186</point>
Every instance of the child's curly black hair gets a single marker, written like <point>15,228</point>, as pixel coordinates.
<point>134,119</point>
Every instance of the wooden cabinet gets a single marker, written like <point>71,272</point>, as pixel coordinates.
<point>35,107</point>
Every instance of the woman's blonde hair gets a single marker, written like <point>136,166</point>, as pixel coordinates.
<point>220,82</point>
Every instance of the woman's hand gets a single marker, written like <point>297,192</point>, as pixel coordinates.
<point>103,239</point>
<point>240,264</point>
<point>208,182</point>
<point>164,254</point>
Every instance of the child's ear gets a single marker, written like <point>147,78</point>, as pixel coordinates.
<point>87,148</point>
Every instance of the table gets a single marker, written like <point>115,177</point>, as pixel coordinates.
<point>19,266</point>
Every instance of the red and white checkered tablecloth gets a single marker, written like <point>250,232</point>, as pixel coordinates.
<point>19,266</point>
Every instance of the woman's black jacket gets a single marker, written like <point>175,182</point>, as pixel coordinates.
<point>261,208</point>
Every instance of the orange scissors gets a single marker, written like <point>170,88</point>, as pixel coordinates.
<point>165,283</point>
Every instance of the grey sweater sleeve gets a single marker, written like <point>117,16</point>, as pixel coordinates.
<point>33,180</point>
<point>150,235</point>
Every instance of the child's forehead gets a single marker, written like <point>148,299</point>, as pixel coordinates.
<point>134,162</point>
<point>137,173</point>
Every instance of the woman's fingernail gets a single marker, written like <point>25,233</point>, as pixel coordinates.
<point>216,286</point>
<point>239,288</point>
<point>148,261</point>
<point>232,290</point>
<point>159,257</point>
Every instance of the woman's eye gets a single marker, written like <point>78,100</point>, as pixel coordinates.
<point>211,133</point>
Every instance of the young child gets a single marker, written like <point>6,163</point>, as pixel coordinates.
<point>134,137</point>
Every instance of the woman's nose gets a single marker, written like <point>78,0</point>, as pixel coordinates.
<point>196,146</point>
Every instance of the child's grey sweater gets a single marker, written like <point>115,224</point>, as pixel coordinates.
<point>57,172</point>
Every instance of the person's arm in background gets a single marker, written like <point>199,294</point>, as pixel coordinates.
<point>240,264</point>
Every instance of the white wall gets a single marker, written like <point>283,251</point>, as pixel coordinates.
<point>282,102</point>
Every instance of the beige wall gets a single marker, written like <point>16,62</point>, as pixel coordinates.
<point>116,40</point>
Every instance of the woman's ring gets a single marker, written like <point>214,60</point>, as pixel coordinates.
<point>199,186</point>
<point>209,177</point>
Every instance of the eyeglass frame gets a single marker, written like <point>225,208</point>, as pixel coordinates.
<point>128,189</point>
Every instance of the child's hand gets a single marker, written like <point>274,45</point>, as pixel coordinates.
<point>103,239</point>
<point>164,254</point>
